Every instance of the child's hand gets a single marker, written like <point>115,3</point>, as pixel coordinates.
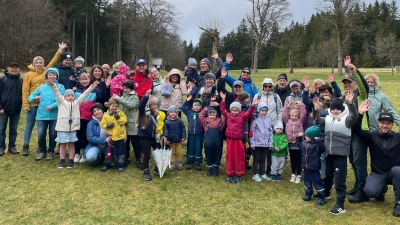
<point>255,102</point>
<point>48,108</point>
<point>114,96</point>
<point>37,98</point>
<point>183,139</point>
<point>116,115</point>
<point>331,77</point>
<point>148,92</point>
<point>95,84</point>
<point>110,125</point>
<point>50,82</point>
<point>189,98</point>
<point>71,78</point>
<point>108,139</point>
<point>301,134</point>
<point>277,149</point>
<point>74,88</point>
<point>223,96</point>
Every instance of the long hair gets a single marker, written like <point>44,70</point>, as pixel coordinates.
<point>103,75</point>
<point>146,119</point>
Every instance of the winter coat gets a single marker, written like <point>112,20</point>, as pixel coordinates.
<point>274,107</point>
<point>156,91</point>
<point>77,74</point>
<point>207,124</point>
<point>234,129</point>
<point>69,110</point>
<point>336,91</point>
<point>176,98</point>
<point>293,97</point>
<point>201,78</point>
<point>93,136</point>
<point>293,128</point>
<point>143,81</point>
<point>193,118</point>
<point>262,130</point>
<point>174,130</point>
<point>230,96</point>
<point>151,128</point>
<point>116,87</point>
<point>118,132</point>
<point>283,93</point>
<point>64,76</point>
<point>379,103</point>
<point>383,148</point>
<point>280,141</point>
<point>192,76</point>
<point>11,93</point>
<point>35,77</point>
<point>310,153</point>
<point>47,98</point>
<point>129,104</point>
<point>85,108</point>
<point>249,86</point>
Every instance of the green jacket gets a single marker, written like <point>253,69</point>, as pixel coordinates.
<point>280,141</point>
<point>129,104</point>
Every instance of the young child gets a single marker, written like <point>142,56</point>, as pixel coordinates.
<point>68,121</point>
<point>79,69</point>
<point>337,146</point>
<point>116,86</point>
<point>174,135</point>
<point>150,128</point>
<point>129,103</point>
<point>278,152</point>
<point>213,138</point>
<point>293,116</point>
<point>114,122</point>
<point>10,106</point>
<point>311,149</point>
<point>192,76</point>
<point>47,113</point>
<point>261,141</point>
<point>195,133</point>
<point>235,159</point>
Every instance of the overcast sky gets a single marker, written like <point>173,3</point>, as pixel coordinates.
<point>230,12</point>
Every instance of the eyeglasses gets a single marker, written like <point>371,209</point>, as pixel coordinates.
<point>248,72</point>
<point>267,86</point>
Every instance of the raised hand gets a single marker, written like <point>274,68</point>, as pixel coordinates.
<point>229,58</point>
<point>215,54</point>
<point>315,100</point>
<point>62,45</point>
<point>306,81</point>
<point>223,96</point>
<point>50,82</point>
<point>301,134</point>
<point>189,98</point>
<point>108,81</point>
<point>148,92</point>
<point>364,107</point>
<point>223,72</point>
<point>347,60</point>
<point>95,84</point>
<point>331,77</point>
<point>349,96</point>
<point>255,102</point>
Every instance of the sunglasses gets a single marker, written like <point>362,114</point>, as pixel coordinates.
<point>247,72</point>
<point>267,86</point>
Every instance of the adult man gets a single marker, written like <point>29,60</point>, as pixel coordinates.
<point>106,69</point>
<point>205,66</point>
<point>384,147</point>
<point>141,78</point>
<point>281,88</point>
<point>66,71</point>
<point>249,86</point>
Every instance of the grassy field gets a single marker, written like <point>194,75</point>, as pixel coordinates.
<point>40,193</point>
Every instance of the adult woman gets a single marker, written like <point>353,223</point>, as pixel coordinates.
<point>32,80</point>
<point>97,137</point>
<point>179,89</point>
<point>97,74</point>
<point>379,103</point>
<point>157,81</point>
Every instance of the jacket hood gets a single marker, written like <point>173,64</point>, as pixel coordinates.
<point>245,81</point>
<point>260,105</point>
<point>33,69</point>
<point>268,81</point>
<point>374,89</point>
<point>54,70</point>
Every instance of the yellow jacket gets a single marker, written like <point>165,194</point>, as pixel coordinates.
<point>34,78</point>
<point>118,132</point>
<point>160,122</point>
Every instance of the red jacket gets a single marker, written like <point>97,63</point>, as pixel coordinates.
<point>234,128</point>
<point>143,83</point>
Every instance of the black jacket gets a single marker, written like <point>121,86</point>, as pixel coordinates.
<point>65,73</point>
<point>230,96</point>
<point>11,93</point>
<point>283,94</point>
<point>310,153</point>
<point>383,148</point>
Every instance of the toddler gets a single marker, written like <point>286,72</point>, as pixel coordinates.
<point>278,152</point>
<point>174,135</point>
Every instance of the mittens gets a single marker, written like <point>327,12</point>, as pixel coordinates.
<point>110,125</point>
<point>116,115</point>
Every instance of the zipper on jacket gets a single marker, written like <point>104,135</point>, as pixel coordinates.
<point>330,143</point>
<point>305,157</point>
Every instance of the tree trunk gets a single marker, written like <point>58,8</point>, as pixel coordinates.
<point>86,35</point>
<point>93,45</point>
<point>290,62</point>
<point>119,37</point>
<point>73,37</point>
<point>340,56</point>
<point>255,61</point>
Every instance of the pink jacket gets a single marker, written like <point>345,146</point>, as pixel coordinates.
<point>293,128</point>
<point>234,128</point>
<point>206,123</point>
<point>116,84</point>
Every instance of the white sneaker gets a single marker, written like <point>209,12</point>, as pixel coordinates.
<point>171,165</point>
<point>257,178</point>
<point>76,158</point>
<point>298,179</point>
<point>82,160</point>
<point>293,178</point>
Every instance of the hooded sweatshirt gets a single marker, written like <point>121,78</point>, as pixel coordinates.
<point>274,107</point>
<point>262,130</point>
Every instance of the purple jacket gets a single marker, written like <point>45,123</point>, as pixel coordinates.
<point>293,128</point>
<point>262,130</point>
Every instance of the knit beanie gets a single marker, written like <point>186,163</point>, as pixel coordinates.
<point>192,62</point>
<point>278,125</point>
<point>238,82</point>
<point>80,60</point>
<point>282,76</point>
<point>97,106</point>
<point>336,103</point>
<point>211,109</point>
<point>52,70</point>
<point>37,58</point>
<point>112,102</point>
<point>172,109</point>
<point>66,55</point>
<point>242,96</point>
<point>129,84</point>
<point>207,61</point>
<point>68,92</point>
<point>312,132</point>
<point>294,83</point>
<point>235,105</point>
<point>210,75</point>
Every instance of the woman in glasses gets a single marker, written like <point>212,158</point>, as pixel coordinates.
<point>249,86</point>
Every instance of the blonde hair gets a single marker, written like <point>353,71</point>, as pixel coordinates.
<point>118,64</point>
<point>373,77</point>
<point>318,80</point>
<point>295,112</point>
<point>84,75</point>
<point>146,119</point>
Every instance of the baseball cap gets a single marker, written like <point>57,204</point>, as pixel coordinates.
<point>141,61</point>
<point>385,116</point>
<point>13,64</point>
<point>348,77</point>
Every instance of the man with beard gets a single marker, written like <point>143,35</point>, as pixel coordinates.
<point>106,69</point>
<point>281,87</point>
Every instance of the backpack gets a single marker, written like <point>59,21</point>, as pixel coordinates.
<point>255,113</point>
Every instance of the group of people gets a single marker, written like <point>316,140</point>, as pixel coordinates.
<point>312,122</point>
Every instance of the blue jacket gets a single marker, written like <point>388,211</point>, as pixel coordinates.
<point>249,86</point>
<point>47,98</point>
<point>310,153</point>
<point>64,74</point>
<point>194,124</point>
<point>174,130</point>
<point>93,136</point>
<point>151,126</point>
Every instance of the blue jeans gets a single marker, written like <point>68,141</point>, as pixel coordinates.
<point>30,123</point>
<point>358,160</point>
<point>42,130</point>
<point>92,154</point>
<point>12,133</point>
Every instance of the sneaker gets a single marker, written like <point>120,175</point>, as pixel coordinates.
<point>306,198</point>
<point>257,178</point>
<point>82,160</point>
<point>189,167</point>
<point>70,163</point>
<point>216,171</point>
<point>61,165</point>
<point>293,177</point>
<point>198,167</point>
<point>265,177</point>
<point>382,197</point>
<point>171,165</point>
<point>273,177</point>
<point>320,201</point>
<point>40,156</point>
<point>104,168</point>
<point>50,156</point>
<point>146,175</point>
<point>139,165</point>
<point>120,170</point>
<point>1,151</point>
<point>13,151</point>
<point>352,191</point>
<point>329,197</point>
<point>237,180</point>
<point>76,158</point>
<point>25,150</point>
<point>298,179</point>
<point>229,179</point>
<point>337,209</point>
<point>179,165</point>
<point>155,170</point>
<point>279,177</point>
<point>210,171</point>
<point>396,210</point>
<point>359,197</point>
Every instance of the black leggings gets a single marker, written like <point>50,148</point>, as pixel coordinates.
<point>295,161</point>
<point>147,144</point>
<point>137,147</point>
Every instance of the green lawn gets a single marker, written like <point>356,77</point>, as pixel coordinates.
<point>40,193</point>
